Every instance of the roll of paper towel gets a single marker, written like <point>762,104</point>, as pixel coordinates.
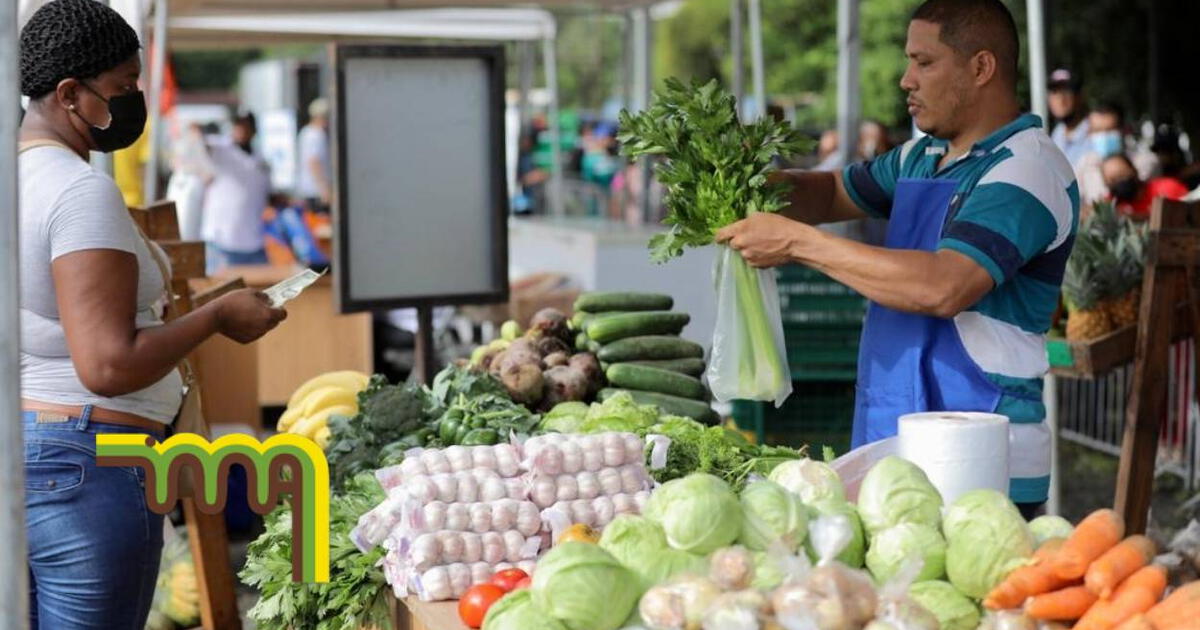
<point>959,451</point>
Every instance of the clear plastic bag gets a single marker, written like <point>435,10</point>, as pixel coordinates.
<point>749,358</point>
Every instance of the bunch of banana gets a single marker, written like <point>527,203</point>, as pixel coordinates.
<point>183,604</point>
<point>311,405</point>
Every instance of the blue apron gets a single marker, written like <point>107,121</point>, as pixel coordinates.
<point>910,363</point>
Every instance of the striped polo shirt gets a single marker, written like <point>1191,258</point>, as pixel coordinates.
<point>1015,213</point>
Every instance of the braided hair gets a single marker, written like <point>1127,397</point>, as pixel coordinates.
<point>72,39</point>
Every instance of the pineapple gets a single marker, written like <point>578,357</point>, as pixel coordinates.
<point>1084,283</point>
<point>1129,247</point>
<point>1104,274</point>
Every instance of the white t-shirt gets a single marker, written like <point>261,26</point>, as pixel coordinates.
<point>235,199</point>
<point>313,143</point>
<point>67,206</point>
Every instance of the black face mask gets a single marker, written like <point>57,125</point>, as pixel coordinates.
<point>127,121</point>
<point>1125,190</point>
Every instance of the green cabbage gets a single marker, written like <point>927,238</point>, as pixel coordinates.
<point>892,547</point>
<point>565,417</point>
<point>768,571</point>
<point>952,609</point>
<point>814,481</point>
<point>770,513</point>
<point>516,611</point>
<point>699,513</point>
<point>897,491</point>
<point>987,539</point>
<point>641,546</point>
<point>854,553</point>
<point>584,587</point>
<point>619,413</point>
<point>1046,527</point>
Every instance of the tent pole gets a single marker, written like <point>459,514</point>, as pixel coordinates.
<point>756,59</point>
<point>643,79</point>
<point>14,583</point>
<point>737,51</point>
<point>550,62</point>
<point>1037,59</point>
<point>848,90</point>
<point>157,120</point>
<point>525,81</point>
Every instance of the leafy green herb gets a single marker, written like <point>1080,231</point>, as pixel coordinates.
<point>715,171</point>
<point>354,596</point>
<point>456,380</point>
<point>715,168</point>
<point>715,450</point>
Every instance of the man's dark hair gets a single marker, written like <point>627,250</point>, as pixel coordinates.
<point>969,26</point>
<point>72,39</point>
<point>1111,109</point>
<point>246,119</point>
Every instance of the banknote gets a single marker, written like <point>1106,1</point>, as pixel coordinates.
<point>292,287</point>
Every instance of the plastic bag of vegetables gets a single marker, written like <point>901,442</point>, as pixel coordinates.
<point>679,604</point>
<point>814,481</point>
<point>584,587</point>
<point>832,596</point>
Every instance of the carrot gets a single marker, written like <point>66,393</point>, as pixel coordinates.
<point>1067,604</point>
<point>1137,622</point>
<point>1118,563</point>
<point>1094,535</point>
<point>1137,594</point>
<point>1027,581</point>
<point>1181,609</point>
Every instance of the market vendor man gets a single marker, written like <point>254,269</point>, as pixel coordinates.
<point>981,214</point>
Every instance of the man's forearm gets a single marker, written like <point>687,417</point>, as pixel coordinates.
<point>929,283</point>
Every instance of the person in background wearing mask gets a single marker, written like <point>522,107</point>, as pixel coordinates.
<point>873,140</point>
<point>96,356</point>
<point>1067,106</point>
<point>231,221</point>
<point>827,153</point>
<point>313,184</point>
<point>1132,195</point>
<point>1107,138</point>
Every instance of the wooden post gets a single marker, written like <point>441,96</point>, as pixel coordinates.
<point>1174,249</point>
<point>206,532</point>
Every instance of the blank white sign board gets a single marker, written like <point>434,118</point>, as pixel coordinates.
<point>421,203</point>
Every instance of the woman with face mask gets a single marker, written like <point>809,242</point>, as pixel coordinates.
<point>96,356</point>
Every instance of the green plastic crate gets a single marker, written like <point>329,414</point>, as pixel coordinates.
<point>822,321</point>
<point>817,414</point>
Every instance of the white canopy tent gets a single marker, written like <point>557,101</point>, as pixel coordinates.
<point>205,16</point>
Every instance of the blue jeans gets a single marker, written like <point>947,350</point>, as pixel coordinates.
<point>94,546</point>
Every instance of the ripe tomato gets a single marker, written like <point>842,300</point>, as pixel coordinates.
<point>524,583</point>
<point>475,603</point>
<point>508,579</point>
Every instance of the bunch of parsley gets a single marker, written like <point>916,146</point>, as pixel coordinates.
<point>354,595</point>
<point>715,171</point>
<point>714,167</point>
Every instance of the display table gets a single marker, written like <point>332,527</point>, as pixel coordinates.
<point>413,614</point>
<point>313,339</point>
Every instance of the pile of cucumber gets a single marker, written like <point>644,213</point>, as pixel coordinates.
<point>636,337</point>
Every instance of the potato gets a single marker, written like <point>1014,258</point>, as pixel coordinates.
<point>552,345</point>
<point>562,384</point>
<point>589,366</point>
<point>556,359</point>
<point>523,380</point>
